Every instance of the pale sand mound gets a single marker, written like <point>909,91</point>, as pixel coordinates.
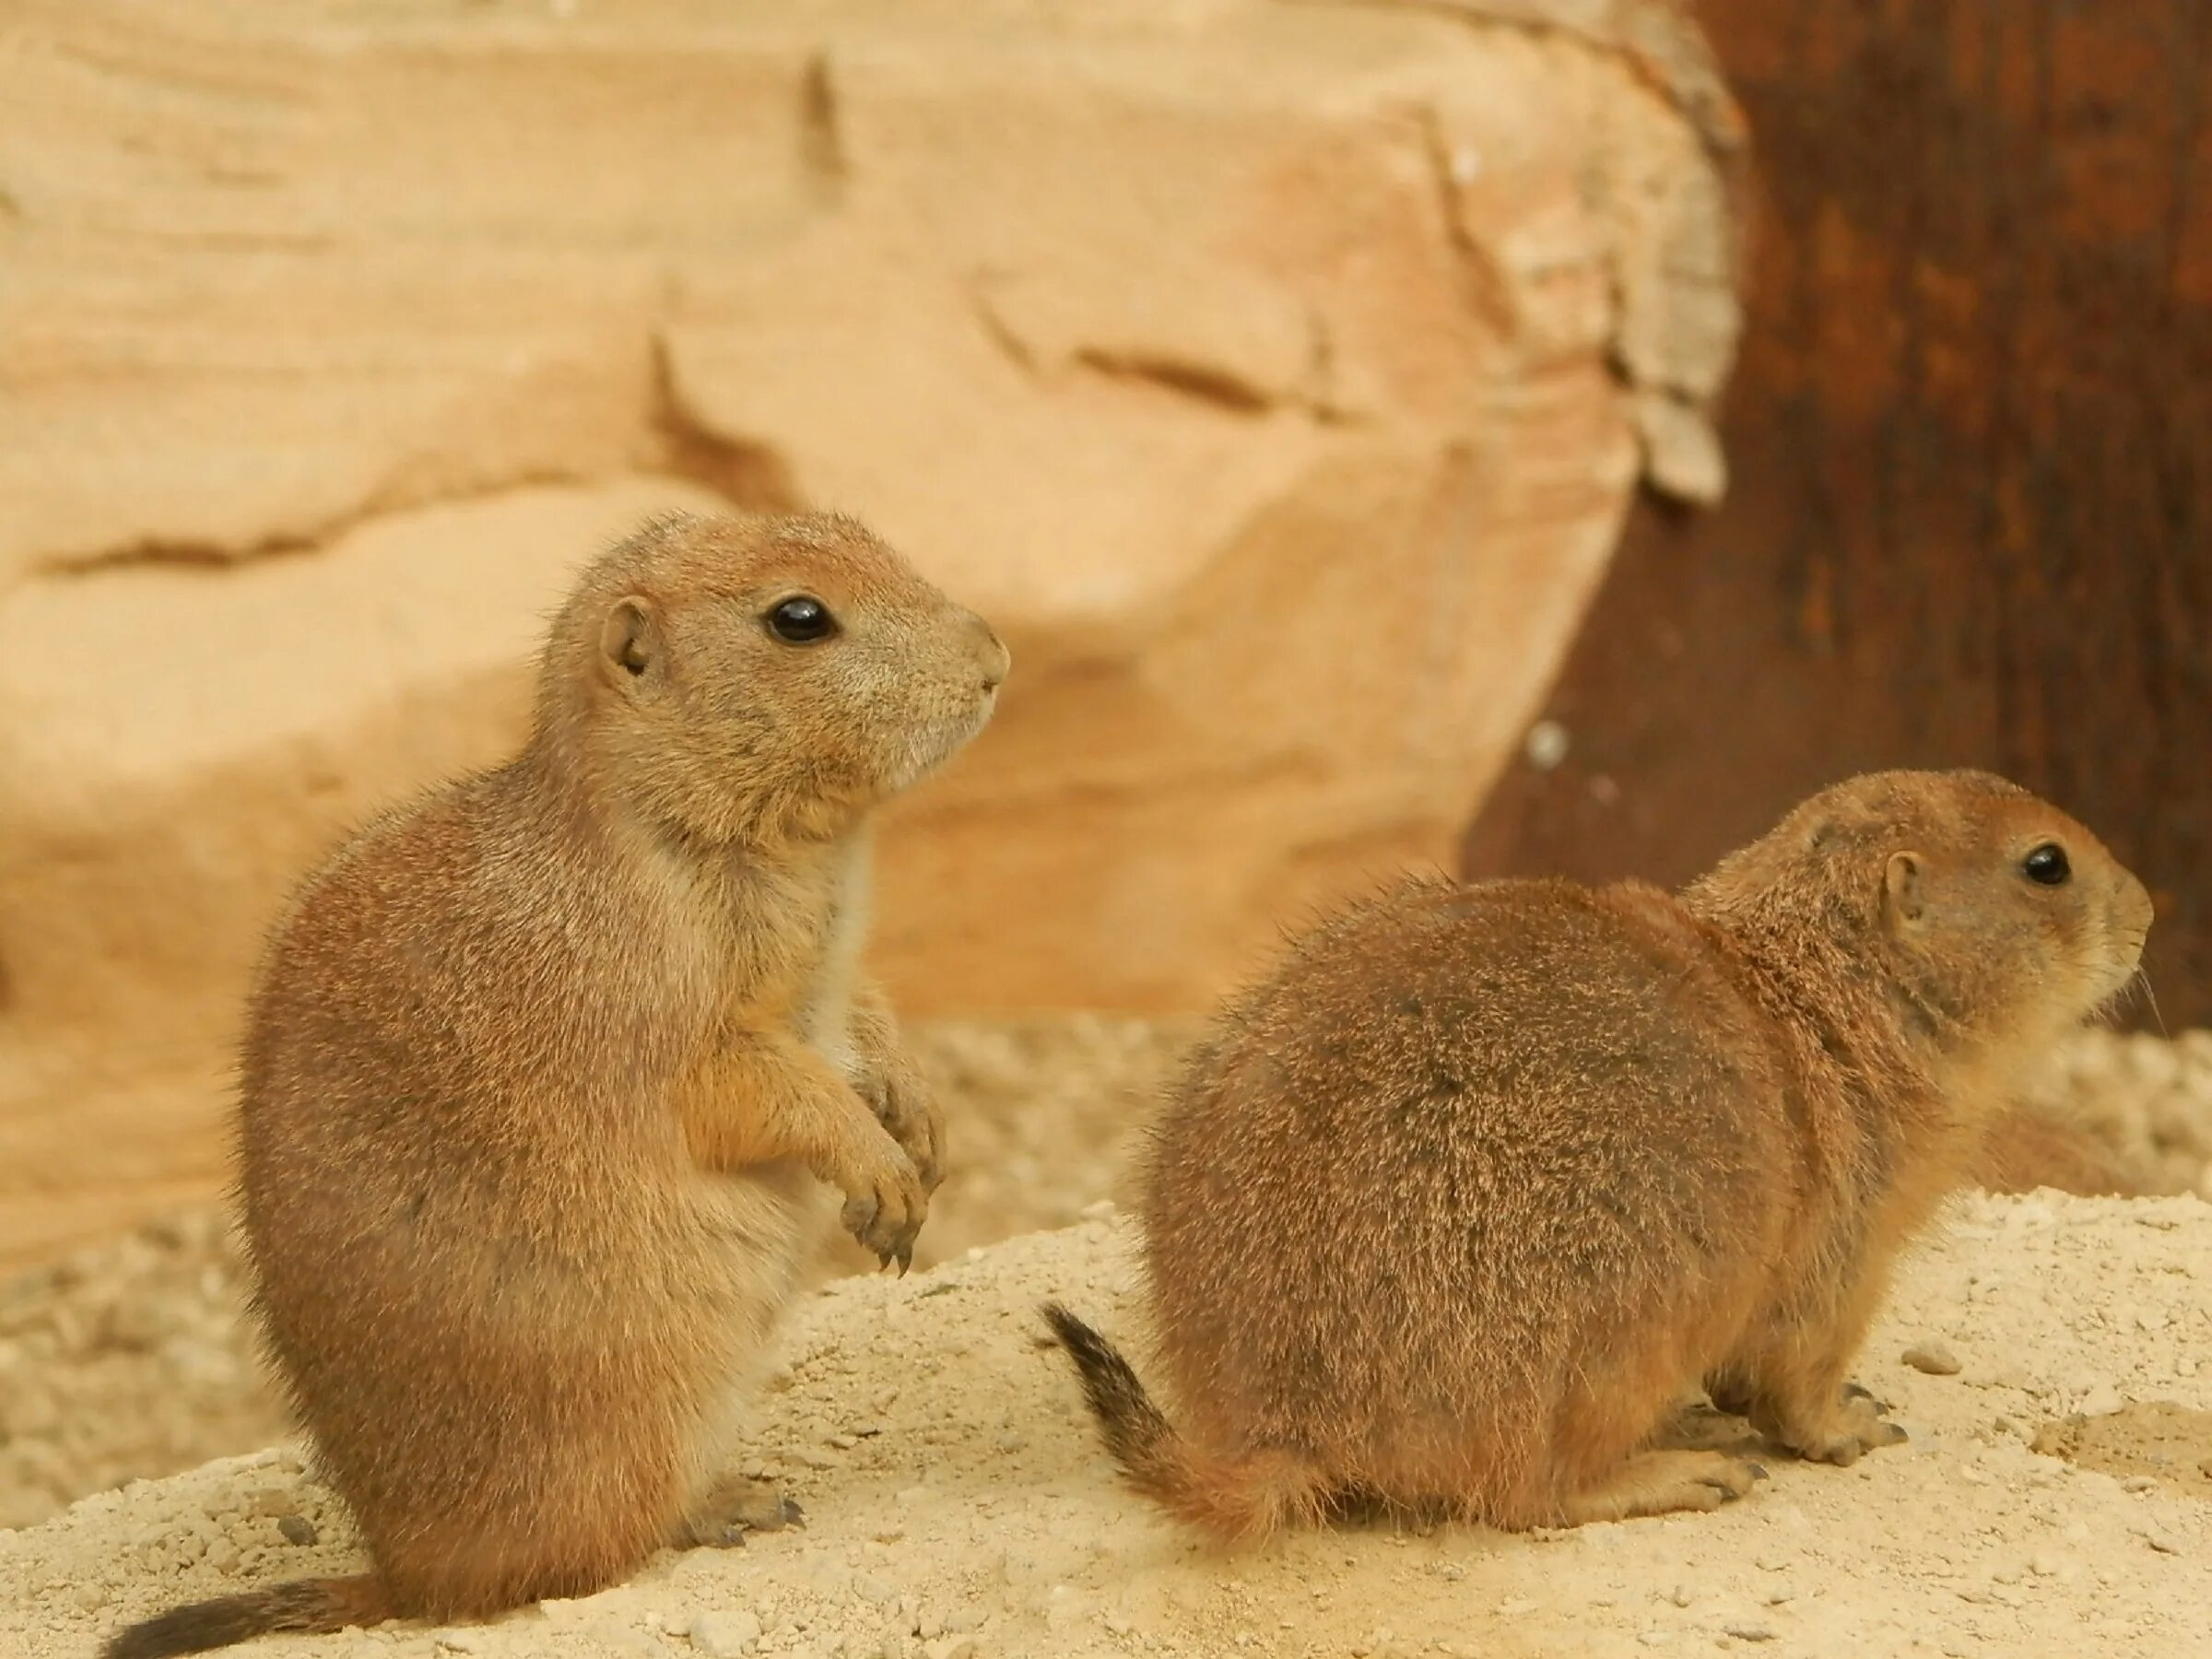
<point>958,1504</point>
<point>133,1356</point>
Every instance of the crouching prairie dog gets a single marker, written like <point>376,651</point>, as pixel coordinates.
<point>541,1073</point>
<point>1451,1212</point>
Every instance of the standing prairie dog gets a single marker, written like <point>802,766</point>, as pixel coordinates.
<point>541,1072</point>
<point>1454,1210</point>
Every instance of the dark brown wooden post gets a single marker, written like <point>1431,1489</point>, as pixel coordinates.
<point>1971,443</point>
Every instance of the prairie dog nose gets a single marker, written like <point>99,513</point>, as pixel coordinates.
<point>2133,905</point>
<point>991,655</point>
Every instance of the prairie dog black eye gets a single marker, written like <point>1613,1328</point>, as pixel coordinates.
<point>801,619</point>
<point>2047,864</point>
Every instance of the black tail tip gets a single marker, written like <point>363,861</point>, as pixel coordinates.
<point>202,1627</point>
<point>162,1638</point>
<point>167,1637</point>
<point>1107,1378</point>
<point>1074,1336</point>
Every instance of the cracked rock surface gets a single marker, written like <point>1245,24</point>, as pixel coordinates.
<point>1276,376</point>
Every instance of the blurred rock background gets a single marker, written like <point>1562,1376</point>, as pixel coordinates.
<point>1276,376</point>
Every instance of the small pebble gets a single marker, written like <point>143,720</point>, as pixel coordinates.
<point>725,1635</point>
<point>1748,1633</point>
<point>1932,1355</point>
<point>296,1529</point>
<point>1545,745</point>
<point>620,1641</point>
<point>2101,1401</point>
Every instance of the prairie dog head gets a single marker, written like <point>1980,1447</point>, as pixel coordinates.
<point>741,679</point>
<point>1996,918</point>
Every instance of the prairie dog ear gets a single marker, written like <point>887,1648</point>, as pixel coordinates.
<point>1902,901</point>
<point>632,644</point>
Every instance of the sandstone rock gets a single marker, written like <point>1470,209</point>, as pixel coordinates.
<point>1276,376</point>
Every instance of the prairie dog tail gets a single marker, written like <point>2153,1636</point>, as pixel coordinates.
<point>1240,1499</point>
<point>307,1606</point>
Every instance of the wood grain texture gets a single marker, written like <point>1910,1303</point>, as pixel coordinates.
<point>1970,442</point>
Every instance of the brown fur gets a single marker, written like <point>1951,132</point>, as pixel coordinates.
<point>1455,1208</point>
<point>2030,1147</point>
<point>541,1072</point>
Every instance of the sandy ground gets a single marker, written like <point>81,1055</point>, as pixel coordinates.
<point>133,1359</point>
<point>2147,1098</point>
<point>959,1506</point>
